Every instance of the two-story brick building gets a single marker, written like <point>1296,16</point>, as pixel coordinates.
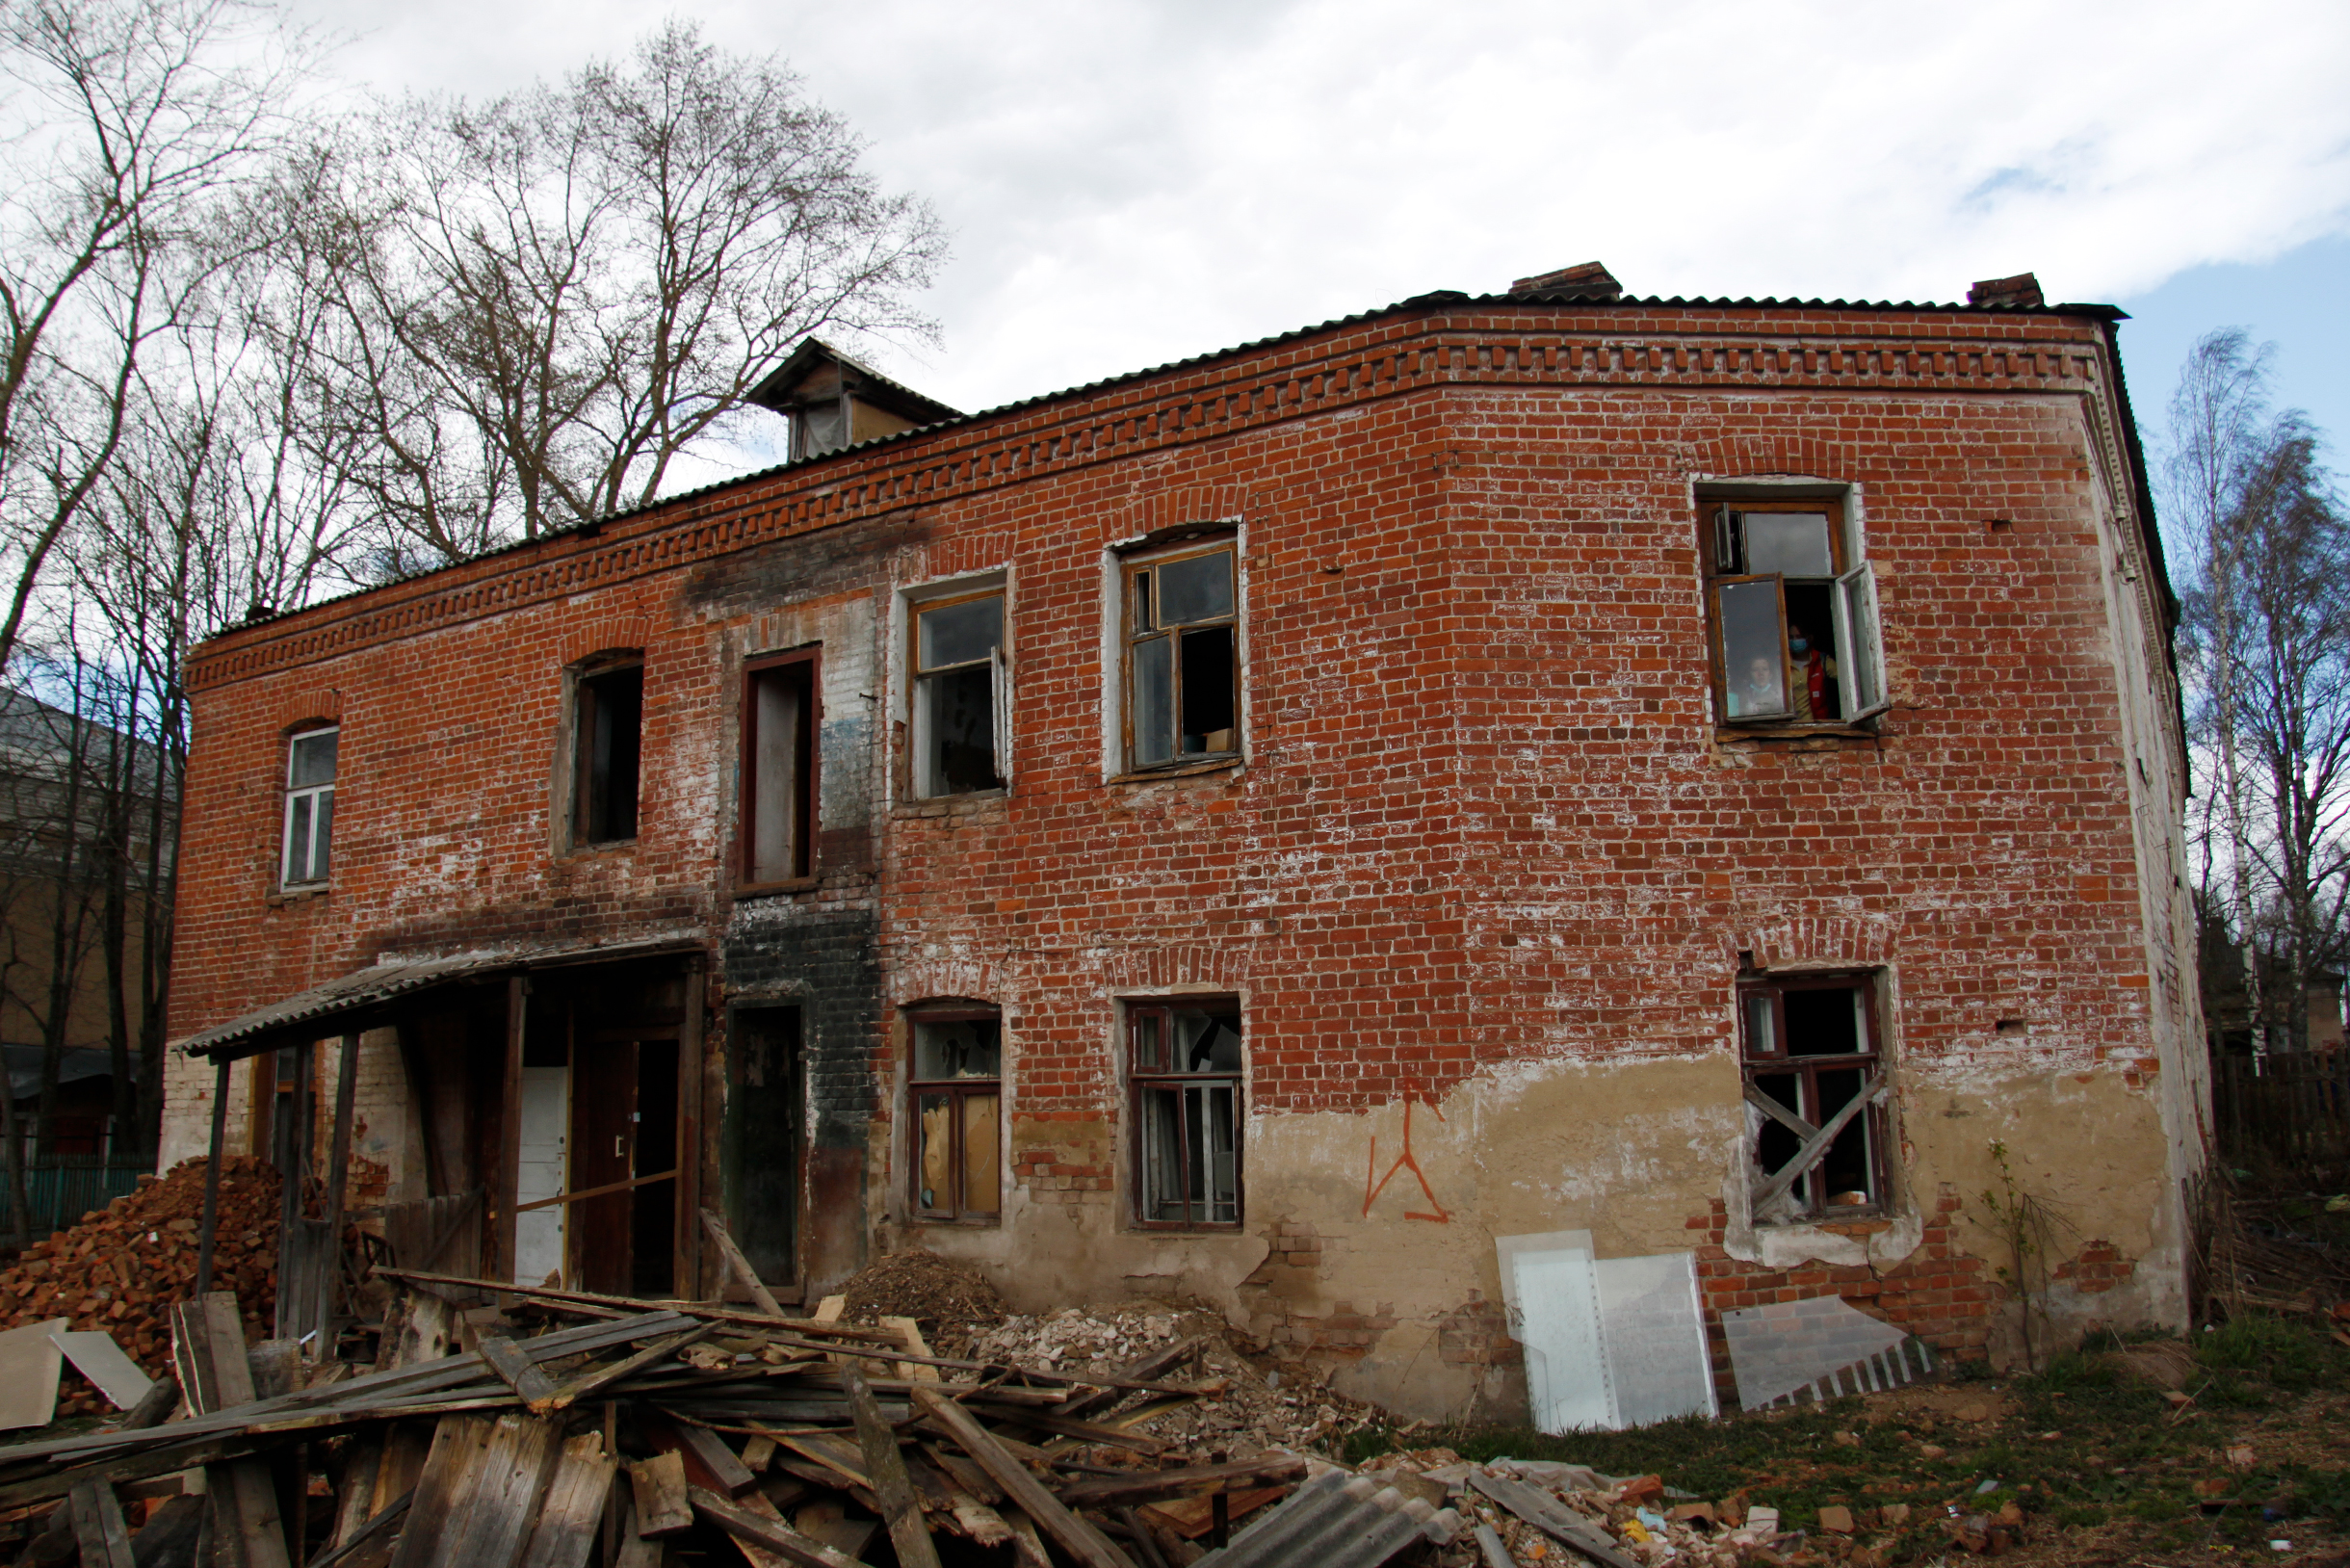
<point>1264,827</point>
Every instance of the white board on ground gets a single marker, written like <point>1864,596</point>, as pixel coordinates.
<point>97,1356</point>
<point>1552,1295</point>
<point>29,1364</point>
<point>1609,1341</point>
<point>1654,1327</point>
<point>1783,1347</point>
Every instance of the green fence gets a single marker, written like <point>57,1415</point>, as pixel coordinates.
<point>60,1188</point>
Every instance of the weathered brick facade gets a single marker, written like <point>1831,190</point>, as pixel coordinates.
<point>1487,872</point>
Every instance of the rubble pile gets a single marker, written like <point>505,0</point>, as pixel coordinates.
<point>943,1297</point>
<point>123,1267</point>
<point>1290,1406</point>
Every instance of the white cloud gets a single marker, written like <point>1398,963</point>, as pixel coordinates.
<point>1133,183</point>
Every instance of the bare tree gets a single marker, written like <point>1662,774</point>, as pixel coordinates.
<point>123,120</point>
<point>2267,661</point>
<point>544,301</point>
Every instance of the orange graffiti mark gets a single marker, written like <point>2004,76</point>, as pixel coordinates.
<point>1403,1161</point>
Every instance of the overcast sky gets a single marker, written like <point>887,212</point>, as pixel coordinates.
<point>1129,184</point>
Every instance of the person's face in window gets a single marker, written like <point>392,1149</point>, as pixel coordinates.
<point>1760,692</point>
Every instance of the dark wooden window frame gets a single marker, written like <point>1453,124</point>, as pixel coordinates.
<point>955,1090</point>
<point>1142,561</point>
<point>809,763</point>
<point>1844,561</point>
<point>1138,1082</point>
<point>1807,1117</point>
<point>585,716</point>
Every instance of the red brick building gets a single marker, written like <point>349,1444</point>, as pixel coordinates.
<point>1267,826</point>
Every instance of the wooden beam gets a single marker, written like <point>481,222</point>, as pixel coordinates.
<point>569,1518</point>
<point>1199,1480</point>
<point>212,1180</point>
<point>690,1072</point>
<point>98,1527</point>
<point>1808,1155</point>
<point>508,1180</point>
<point>771,1535</point>
<point>740,1265</point>
<point>1082,1541</point>
<point>515,1370</point>
<point>338,1179</point>
<point>899,1507</point>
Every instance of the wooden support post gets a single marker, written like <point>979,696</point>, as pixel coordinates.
<point>508,1179</point>
<point>689,1259</point>
<point>212,1177</point>
<point>338,1179</point>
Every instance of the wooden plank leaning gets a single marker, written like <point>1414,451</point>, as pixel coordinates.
<point>908,1531</point>
<point>770,1536</point>
<point>208,1348</point>
<point>1080,1540</point>
<point>97,1526</point>
<point>573,1514</point>
<point>740,1265</point>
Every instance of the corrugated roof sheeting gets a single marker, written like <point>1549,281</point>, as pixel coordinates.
<point>367,989</point>
<point>1336,1521</point>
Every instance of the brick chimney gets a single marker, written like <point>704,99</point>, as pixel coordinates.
<point>1590,280</point>
<point>2004,293</point>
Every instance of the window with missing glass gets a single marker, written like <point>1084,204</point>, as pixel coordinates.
<point>776,816</point>
<point>1792,612</point>
<point>1183,656</point>
<point>1184,1082</point>
<point>606,721</point>
<point>1815,1094</point>
<point>958,709</point>
<point>955,1090</point>
<point>309,807</point>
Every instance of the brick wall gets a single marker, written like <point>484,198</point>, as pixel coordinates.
<point>1487,828</point>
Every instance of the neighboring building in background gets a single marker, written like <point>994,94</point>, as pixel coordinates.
<point>1691,773</point>
<point>79,818</point>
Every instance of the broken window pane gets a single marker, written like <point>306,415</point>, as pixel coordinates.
<point>1183,660</point>
<point>956,647</point>
<point>957,1048</point>
<point>1753,635</point>
<point>958,1150</point>
<point>1810,1046</point>
<point>1206,690</point>
<point>1186,1065</point>
<point>1788,543</point>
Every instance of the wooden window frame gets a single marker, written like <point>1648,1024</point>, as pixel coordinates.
<point>1140,1081</point>
<point>955,1090</point>
<point>999,692</point>
<point>1778,1063</point>
<point>809,763</point>
<point>1854,619</point>
<point>313,793</point>
<point>585,711</point>
<point>1131,637</point>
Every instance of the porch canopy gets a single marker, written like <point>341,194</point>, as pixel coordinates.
<point>369,998</point>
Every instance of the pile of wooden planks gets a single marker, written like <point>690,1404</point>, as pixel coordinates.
<point>552,1429</point>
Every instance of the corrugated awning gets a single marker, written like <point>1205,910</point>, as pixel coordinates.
<point>339,1003</point>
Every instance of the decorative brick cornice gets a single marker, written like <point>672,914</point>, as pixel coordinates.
<point>1773,349</point>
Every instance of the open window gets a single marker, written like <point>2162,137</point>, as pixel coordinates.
<point>956,1086</point>
<point>608,720</point>
<point>1183,656</point>
<point>1815,1080</point>
<point>1184,1082</point>
<point>961,710</point>
<point>309,810</point>
<point>1792,611</point>
<point>776,820</point>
